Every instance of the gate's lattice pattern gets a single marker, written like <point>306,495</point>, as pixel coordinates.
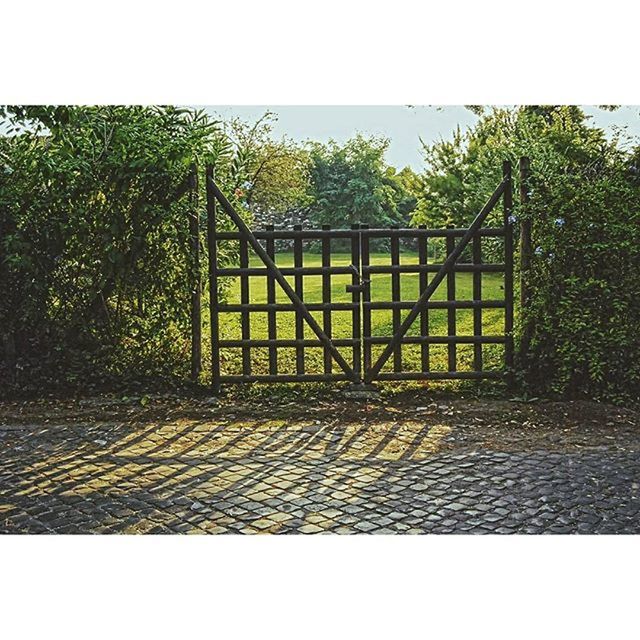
<point>357,358</point>
<point>298,272</point>
<point>424,338</point>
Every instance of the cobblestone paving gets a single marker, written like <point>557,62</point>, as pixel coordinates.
<point>216,476</point>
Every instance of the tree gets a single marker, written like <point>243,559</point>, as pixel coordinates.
<point>352,183</point>
<point>443,200</point>
<point>271,176</point>
<point>406,185</point>
<point>461,174</point>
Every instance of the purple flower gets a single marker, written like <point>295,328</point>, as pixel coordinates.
<point>511,219</point>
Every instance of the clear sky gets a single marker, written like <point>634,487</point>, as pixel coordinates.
<point>404,126</point>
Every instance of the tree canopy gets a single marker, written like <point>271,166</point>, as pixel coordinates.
<point>94,235</point>
<point>352,183</point>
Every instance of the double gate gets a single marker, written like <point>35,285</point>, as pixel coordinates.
<point>362,357</point>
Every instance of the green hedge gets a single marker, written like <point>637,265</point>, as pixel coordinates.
<point>585,283</point>
<point>95,272</point>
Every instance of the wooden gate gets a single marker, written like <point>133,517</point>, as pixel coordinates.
<point>365,355</point>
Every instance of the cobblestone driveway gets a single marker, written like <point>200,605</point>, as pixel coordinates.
<point>348,469</point>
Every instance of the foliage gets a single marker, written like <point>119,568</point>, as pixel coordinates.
<point>352,183</point>
<point>94,238</point>
<point>461,173</point>
<point>284,183</point>
<point>443,196</point>
<point>586,303</point>
<point>275,172</point>
<point>584,207</point>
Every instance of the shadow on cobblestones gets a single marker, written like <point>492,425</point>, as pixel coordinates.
<point>340,469</point>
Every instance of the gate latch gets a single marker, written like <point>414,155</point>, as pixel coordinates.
<point>357,288</point>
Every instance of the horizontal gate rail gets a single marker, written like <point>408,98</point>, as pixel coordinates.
<point>283,342</point>
<point>439,304</point>
<point>286,271</point>
<point>318,271</point>
<point>350,342</point>
<point>317,234</point>
<point>282,306</point>
<point>282,377</point>
<point>349,306</point>
<point>438,339</point>
<point>434,268</point>
<point>439,375</point>
<point>492,232</point>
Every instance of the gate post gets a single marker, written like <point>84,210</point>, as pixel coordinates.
<point>212,250</point>
<point>508,270</point>
<point>196,292</point>
<point>526,251</point>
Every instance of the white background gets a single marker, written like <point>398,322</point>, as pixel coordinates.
<point>318,53</point>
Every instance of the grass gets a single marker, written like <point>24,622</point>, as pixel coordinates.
<point>492,319</point>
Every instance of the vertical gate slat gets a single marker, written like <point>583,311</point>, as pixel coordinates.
<point>423,258</point>
<point>212,250</point>
<point>271,299</point>
<point>395,297</point>
<point>244,314</point>
<point>477,296</point>
<point>366,298</point>
<point>355,299</point>
<point>326,294</point>
<point>451,312</point>
<point>299,289</point>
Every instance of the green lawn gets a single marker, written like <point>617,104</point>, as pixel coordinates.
<point>492,319</point>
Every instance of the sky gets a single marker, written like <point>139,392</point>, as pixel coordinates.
<point>403,125</point>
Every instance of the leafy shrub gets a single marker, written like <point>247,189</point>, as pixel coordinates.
<point>95,274</point>
<point>585,306</point>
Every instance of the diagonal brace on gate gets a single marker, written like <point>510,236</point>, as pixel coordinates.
<point>281,280</point>
<point>446,267</point>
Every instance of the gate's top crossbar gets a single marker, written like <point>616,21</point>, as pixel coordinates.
<point>287,234</point>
